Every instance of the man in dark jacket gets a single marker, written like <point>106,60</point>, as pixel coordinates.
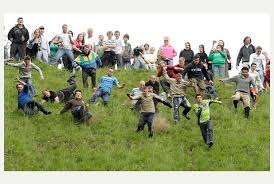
<point>79,109</point>
<point>19,37</point>
<point>196,73</point>
<point>245,52</point>
<point>187,53</point>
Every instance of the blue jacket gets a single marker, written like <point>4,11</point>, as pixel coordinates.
<point>24,97</point>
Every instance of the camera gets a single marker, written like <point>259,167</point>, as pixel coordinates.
<point>137,51</point>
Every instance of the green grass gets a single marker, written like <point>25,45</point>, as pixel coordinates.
<point>54,142</point>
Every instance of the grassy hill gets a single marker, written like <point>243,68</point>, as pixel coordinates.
<point>54,142</point>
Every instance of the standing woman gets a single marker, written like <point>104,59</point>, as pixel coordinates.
<point>228,60</point>
<point>78,45</point>
<point>44,51</point>
<point>34,44</point>
<point>218,58</point>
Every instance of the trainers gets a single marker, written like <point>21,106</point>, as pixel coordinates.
<point>150,135</point>
<point>210,144</point>
<point>186,116</point>
<point>47,113</point>
<point>176,121</point>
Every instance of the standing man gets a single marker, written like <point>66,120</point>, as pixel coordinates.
<point>19,36</point>
<point>105,85</point>
<point>25,69</point>
<point>65,45</point>
<point>259,59</point>
<point>244,54</point>
<point>109,58</point>
<point>44,51</point>
<point>99,48</point>
<point>88,61</point>
<point>242,92</point>
<point>187,53</point>
<point>90,39</point>
<point>118,49</point>
<point>168,51</point>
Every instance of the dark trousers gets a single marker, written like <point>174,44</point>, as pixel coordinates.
<point>207,131</point>
<point>146,118</point>
<point>177,102</point>
<point>80,115</point>
<point>100,93</point>
<point>33,107</point>
<point>119,60</point>
<point>68,92</point>
<point>89,73</point>
<point>18,48</point>
<point>165,85</point>
<point>109,59</point>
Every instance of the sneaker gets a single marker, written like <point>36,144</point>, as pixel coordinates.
<point>150,135</point>
<point>176,122</point>
<point>210,144</point>
<point>235,110</point>
<point>47,113</point>
<point>186,116</point>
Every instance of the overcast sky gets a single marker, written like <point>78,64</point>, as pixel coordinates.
<point>151,28</point>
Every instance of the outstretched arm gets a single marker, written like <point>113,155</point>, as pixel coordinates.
<point>66,108</point>
<point>38,69</point>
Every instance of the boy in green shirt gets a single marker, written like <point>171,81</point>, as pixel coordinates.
<point>202,111</point>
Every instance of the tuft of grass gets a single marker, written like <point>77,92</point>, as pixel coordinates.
<point>110,142</point>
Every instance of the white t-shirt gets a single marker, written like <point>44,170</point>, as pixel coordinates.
<point>119,47</point>
<point>66,41</point>
<point>258,59</point>
<point>90,41</point>
<point>110,42</point>
<point>256,77</point>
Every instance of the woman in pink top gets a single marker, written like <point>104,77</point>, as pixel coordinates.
<point>168,51</point>
<point>78,45</point>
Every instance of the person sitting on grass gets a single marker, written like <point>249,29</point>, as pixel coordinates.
<point>25,69</point>
<point>63,95</point>
<point>104,87</point>
<point>178,95</point>
<point>25,102</point>
<point>202,111</point>
<point>242,92</point>
<point>147,109</point>
<point>88,61</point>
<point>79,109</point>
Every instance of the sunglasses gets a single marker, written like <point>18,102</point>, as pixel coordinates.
<point>41,28</point>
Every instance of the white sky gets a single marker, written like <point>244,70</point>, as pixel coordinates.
<point>150,28</point>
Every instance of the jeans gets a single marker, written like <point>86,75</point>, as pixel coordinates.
<point>99,93</point>
<point>165,85</point>
<point>80,115</point>
<point>169,62</point>
<point>43,55</point>
<point>89,73</point>
<point>33,107</point>
<point>119,60</point>
<point>31,87</point>
<point>146,118</point>
<point>61,52</point>
<point>261,73</point>
<point>20,49</point>
<point>177,102</point>
<point>218,71</point>
<point>207,131</point>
